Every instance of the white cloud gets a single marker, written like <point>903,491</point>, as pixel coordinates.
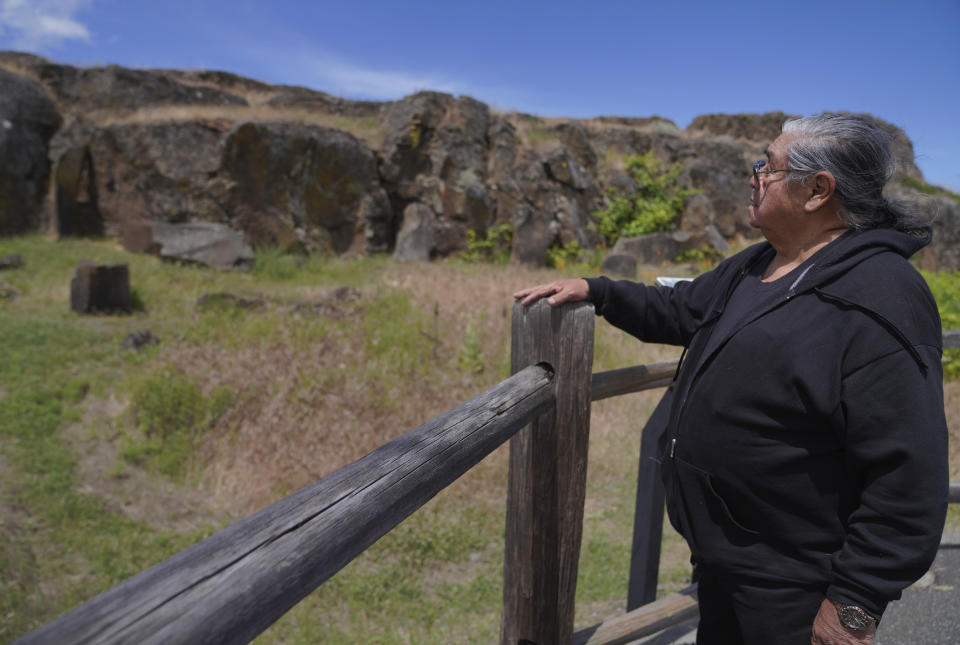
<point>39,24</point>
<point>346,79</point>
<point>299,61</point>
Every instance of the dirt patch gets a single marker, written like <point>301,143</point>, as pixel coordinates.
<point>127,490</point>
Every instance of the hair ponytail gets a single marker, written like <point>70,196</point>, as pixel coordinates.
<point>856,151</point>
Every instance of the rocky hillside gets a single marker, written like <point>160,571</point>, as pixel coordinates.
<point>109,150</point>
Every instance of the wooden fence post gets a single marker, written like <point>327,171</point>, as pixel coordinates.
<point>648,513</point>
<point>547,481</point>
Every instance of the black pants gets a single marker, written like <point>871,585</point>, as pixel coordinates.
<point>737,612</point>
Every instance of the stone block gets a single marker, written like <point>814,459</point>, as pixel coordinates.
<point>100,288</point>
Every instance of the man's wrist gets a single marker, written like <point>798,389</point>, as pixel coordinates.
<point>853,616</point>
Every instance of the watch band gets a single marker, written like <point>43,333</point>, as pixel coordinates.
<point>853,616</point>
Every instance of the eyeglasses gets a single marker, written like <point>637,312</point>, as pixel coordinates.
<point>757,165</point>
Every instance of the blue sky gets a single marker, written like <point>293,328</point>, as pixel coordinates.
<point>897,60</point>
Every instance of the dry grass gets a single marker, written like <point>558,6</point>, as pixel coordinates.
<point>951,404</point>
<point>309,396</point>
<point>304,409</point>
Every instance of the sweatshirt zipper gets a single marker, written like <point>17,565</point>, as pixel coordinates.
<point>716,314</point>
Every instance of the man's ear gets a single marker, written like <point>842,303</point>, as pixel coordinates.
<point>821,188</point>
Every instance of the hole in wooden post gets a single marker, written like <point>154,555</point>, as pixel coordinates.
<point>550,372</point>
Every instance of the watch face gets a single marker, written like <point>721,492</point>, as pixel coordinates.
<point>854,617</point>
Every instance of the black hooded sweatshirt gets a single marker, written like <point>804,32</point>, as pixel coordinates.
<point>808,443</point>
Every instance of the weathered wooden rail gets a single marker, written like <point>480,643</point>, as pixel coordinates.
<point>231,586</point>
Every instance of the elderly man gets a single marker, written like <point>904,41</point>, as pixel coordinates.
<point>805,458</point>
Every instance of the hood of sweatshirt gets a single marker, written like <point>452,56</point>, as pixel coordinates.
<point>850,250</point>
<point>897,298</point>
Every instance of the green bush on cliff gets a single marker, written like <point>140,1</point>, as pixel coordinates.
<point>493,246</point>
<point>945,286</point>
<point>653,207</point>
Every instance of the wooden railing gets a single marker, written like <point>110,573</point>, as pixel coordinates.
<point>231,586</point>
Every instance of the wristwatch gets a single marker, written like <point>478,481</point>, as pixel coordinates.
<point>853,616</point>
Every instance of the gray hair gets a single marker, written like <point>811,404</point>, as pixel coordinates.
<point>856,151</point>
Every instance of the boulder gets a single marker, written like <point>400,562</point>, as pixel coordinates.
<point>532,236</point>
<point>943,212</point>
<point>86,91</point>
<point>208,243</point>
<point>11,261</point>
<point>655,248</point>
<point>315,185</point>
<point>562,167</point>
<point>716,240</point>
<point>136,236</point>
<point>166,172</point>
<point>139,339</point>
<point>416,240</point>
<point>503,143</point>
<point>576,140</point>
<point>697,214</point>
<point>944,250</point>
<point>762,128</point>
<point>435,152</point>
<point>100,288</point>
<point>620,265</point>
<point>28,119</point>
<point>719,173</point>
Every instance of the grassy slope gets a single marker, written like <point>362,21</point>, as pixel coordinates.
<point>268,399</point>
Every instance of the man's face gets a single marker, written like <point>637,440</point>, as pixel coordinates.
<point>773,199</point>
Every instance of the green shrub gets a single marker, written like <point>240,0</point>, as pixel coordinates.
<point>276,264</point>
<point>171,412</point>
<point>393,332</point>
<point>493,246</point>
<point>705,256</point>
<point>653,207</point>
<point>561,256</point>
<point>945,286</point>
<point>470,358</point>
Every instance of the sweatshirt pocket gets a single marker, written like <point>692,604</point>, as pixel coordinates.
<point>705,502</point>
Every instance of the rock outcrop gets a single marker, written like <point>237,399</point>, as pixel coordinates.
<point>28,119</point>
<point>297,168</point>
<point>317,187</point>
<point>87,91</point>
<point>434,153</point>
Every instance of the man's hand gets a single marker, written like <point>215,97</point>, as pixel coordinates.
<point>828,630</point>
<point>560,291</point>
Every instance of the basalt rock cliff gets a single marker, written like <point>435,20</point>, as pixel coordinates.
<point>90,151</point>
